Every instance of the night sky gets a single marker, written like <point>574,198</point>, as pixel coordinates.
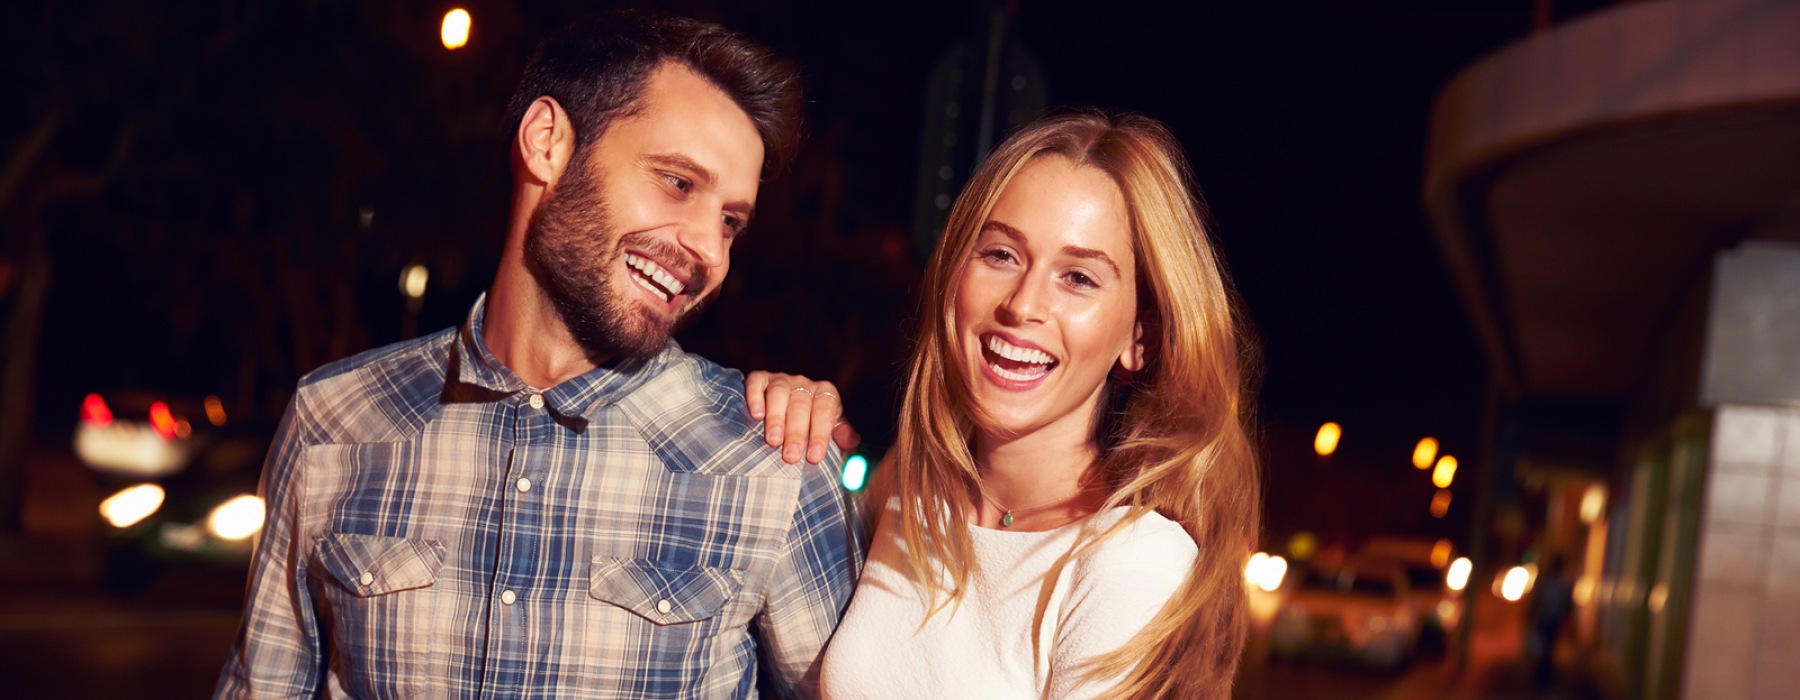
<point>227,194</point>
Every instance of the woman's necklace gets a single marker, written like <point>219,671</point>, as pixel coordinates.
<point>1006,516</point>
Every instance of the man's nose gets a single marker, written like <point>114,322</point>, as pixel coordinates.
<point>704,238</point>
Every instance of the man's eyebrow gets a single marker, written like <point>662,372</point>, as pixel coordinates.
<point>1070,250</point>
<point>676,160</point>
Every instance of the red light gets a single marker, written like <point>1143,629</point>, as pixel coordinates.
<point>95,412</point>
<point>162,420</point>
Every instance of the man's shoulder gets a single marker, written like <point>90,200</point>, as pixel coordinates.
<point>380,394</point>
<point>694,415</point>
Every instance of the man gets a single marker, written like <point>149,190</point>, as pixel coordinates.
<point>554,501</point>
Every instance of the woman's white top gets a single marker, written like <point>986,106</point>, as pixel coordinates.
<point>1030,616</point>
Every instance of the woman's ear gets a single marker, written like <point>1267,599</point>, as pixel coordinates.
<point>545,141</point>
<point>1132,359</point>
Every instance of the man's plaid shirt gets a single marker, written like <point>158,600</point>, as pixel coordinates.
<point>437,529</point>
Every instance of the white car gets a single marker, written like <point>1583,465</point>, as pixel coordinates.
<point>1360,611</point>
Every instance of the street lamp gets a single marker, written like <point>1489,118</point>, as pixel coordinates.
<point>1327,440</point>
<point>455,31</point>
<point>1444,473</point>
<point>1425,452</point>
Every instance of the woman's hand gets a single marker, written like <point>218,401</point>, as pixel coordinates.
<point>798,413</point>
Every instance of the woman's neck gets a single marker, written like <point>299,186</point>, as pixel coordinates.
<point>1043,480</point>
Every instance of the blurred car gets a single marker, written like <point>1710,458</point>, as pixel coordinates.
<point>181,480</point>
<point>1426,565</point>
<point>1358,610</point>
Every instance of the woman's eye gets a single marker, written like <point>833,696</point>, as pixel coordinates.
<point>996,255</point>
<point>1080,279</point>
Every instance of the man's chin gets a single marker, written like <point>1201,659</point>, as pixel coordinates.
<point>642,337</point>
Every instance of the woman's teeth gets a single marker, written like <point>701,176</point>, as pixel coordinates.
<point>1036,363</point>
<point>653,277</point>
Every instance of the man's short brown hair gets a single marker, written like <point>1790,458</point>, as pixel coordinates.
<point>596,69</point>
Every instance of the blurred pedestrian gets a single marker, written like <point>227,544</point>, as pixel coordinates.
<point>1552,599</point>
<point>553,500</point>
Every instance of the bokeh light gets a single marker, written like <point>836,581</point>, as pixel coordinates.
<point>127,507</point>
<point>237,518</point>
<point>856,472</point>
<point>1327,440</point>
<point>455,31</point>
<point>1424,452</point>
<point>1444,473</point>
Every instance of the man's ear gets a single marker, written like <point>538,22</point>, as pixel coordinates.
<point>545,142</point>
<point>1132,359</point>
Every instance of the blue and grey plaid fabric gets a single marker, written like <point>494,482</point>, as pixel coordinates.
<point>439,529</point>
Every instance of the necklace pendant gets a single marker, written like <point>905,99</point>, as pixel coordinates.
<point>1006,520</point>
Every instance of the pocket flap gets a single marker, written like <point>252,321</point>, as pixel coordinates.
<point>370,565</point>
<point>661,594</point>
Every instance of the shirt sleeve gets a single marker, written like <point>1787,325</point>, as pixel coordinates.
<point>1115,592</point>
<point>278,653</point>
<point>810,588</point>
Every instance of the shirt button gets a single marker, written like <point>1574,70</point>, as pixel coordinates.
<point>367,578</point>
<point>523,484</point>
<point>663,606</point>
<point>537,400</point>
<point>508,597</point>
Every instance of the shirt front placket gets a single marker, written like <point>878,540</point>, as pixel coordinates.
<point>516,591</point>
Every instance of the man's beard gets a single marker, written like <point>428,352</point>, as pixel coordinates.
<point>572,249</point>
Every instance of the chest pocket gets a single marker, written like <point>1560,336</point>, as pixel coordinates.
<point>661,594</point>
<point>380,599</point>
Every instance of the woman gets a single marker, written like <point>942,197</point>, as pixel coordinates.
<point>1072,491</point>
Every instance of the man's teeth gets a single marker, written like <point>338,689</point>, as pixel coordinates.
<point>1016,353</point>
<point>658,291</point>
<point>666,286</point>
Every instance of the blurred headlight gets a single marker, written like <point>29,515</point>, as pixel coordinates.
<point>237,518</point>
<point>1265,571</point>
<point>127,507</point>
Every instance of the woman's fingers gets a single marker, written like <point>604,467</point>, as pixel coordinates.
<point>798,423</point>
<point>827,411</point>
<point>755,384</point>
<point>799,415</point>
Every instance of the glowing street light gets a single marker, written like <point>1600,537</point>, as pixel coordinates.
<point>1425,452</point>
<point>1440,553</point>
<point>1327,440</point>
<point>1593,504</point>
<point>1440,503</point>
<point>1444,473</point>
<point>455,31</point>
<point>412,281</point>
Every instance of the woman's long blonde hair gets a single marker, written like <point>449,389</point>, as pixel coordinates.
<point>1173,437</point>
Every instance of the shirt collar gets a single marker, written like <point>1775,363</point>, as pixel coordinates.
<point>582,396</point>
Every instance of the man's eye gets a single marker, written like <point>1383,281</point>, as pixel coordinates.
<point>733,225</point>
<point>678,182</point>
